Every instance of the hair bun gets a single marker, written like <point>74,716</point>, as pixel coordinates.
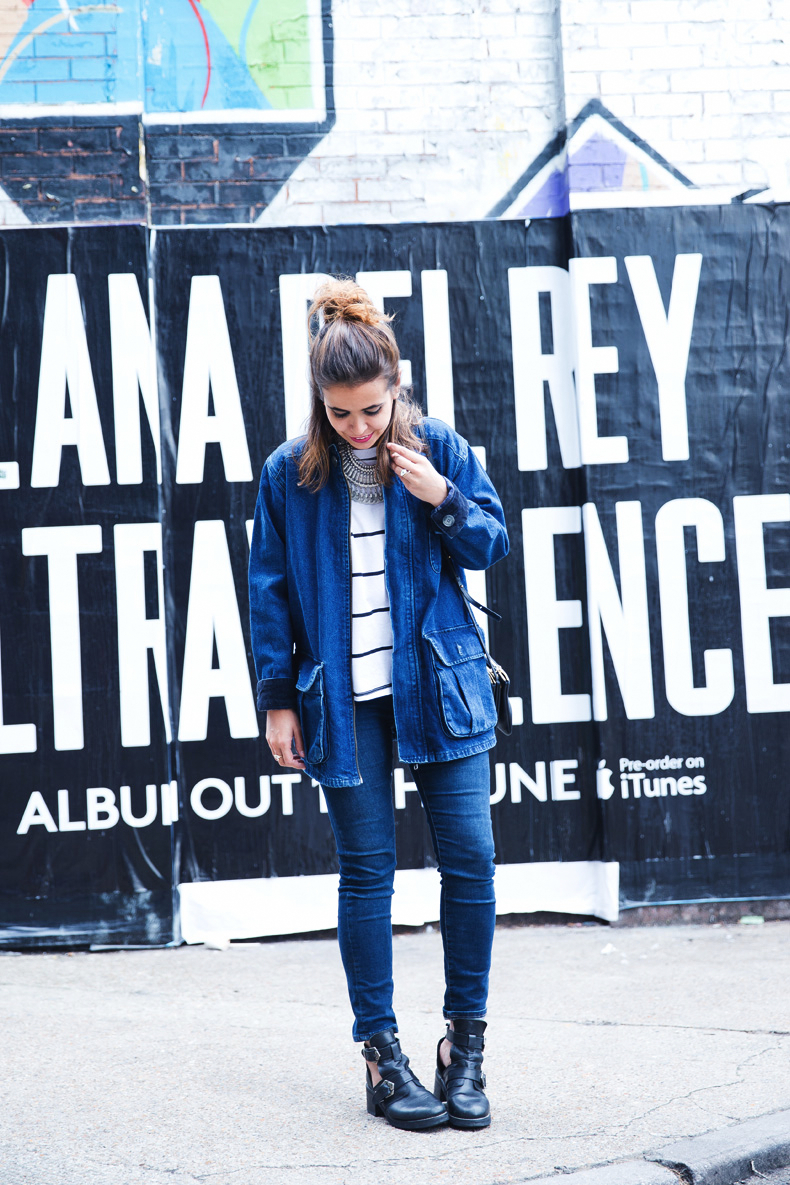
<point>345,300</point>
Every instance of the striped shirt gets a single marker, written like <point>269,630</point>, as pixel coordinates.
<point>371,624</point>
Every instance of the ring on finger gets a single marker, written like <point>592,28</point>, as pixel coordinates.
<point>402,472</point>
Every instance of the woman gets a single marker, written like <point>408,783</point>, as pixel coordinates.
<point>361,636</point>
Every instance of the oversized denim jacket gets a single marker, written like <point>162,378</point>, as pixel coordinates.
<point>300,592</point>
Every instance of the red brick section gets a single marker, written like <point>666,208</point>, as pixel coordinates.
<point>90,171</point>
<point>200,174</point>
<point>63,172</point>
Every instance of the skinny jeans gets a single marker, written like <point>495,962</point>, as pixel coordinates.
<point>456,798</point>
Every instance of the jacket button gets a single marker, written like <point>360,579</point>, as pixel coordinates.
<point>334,460</point>
<point>448,520</point>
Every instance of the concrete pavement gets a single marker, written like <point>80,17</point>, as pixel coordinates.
<point>237,1068</point>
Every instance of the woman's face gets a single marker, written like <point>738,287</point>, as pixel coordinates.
<point>360,414</point>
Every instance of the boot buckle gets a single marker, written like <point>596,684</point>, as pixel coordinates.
<point>370,1053</point>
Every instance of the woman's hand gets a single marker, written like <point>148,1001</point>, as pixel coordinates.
<point>418,474</point>
<point>282,727</point>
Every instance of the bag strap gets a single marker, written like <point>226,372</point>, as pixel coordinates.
<point>464,591</point>
<point>471,601</point>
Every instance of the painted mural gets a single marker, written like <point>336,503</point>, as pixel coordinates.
<point>199,60</point>
<point>258,56</point>
<point>599,162</point>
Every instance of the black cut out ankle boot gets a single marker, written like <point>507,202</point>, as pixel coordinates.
<point>400,1097</point>
<point>462,1083</point>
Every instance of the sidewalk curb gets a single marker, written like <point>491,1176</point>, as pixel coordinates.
<point>731,1153</point>
<point>723,1157</point>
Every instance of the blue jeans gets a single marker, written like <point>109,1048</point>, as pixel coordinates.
<point>455,795</point>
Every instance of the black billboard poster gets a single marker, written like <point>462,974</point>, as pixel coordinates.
<point>687,471</point>
<point>620,375</point>
<point>85,819</point>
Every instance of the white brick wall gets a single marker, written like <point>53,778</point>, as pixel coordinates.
<point>441,105</point>
<point>705,82</point>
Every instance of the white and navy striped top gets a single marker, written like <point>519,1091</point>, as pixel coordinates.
<point>371,624</point>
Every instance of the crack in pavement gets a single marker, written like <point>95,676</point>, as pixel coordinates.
<point>447,1154</point>
<point>643,1024</point>
<point>393,1161</point>
<point>341,1166</point>
<point>591,1023</point>
<point>697,1090</point>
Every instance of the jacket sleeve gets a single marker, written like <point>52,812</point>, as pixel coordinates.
<point>470,520</point>
<point>270,620</point>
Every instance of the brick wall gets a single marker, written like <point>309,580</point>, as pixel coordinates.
<point>705,82</point>
<point>163,60</point>
<point>220,174</point>
<point>77,171</point>
<point>440,105</point>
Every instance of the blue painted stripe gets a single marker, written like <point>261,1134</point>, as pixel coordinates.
<point>245,28</point>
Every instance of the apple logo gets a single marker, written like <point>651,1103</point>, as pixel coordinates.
<point>603,780</point>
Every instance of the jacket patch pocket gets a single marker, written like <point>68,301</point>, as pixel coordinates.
<point>465,696</point>
<point>312,709</point>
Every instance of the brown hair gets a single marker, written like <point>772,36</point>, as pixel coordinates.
<point>351,343</point>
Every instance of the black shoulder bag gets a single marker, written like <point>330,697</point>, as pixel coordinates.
<point>500,680</point>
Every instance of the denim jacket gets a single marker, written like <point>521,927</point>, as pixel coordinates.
<point>300,607</point>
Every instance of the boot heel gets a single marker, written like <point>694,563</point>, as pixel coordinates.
<point>438,1087</point>
<point>399,1097</point>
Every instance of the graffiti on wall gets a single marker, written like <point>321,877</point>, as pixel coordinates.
<point>166,111</point>
<point>259,57</point>
<point>600,162</point>
<point>199,60</point>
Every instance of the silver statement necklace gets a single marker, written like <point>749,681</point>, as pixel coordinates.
<point>363,484</point>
